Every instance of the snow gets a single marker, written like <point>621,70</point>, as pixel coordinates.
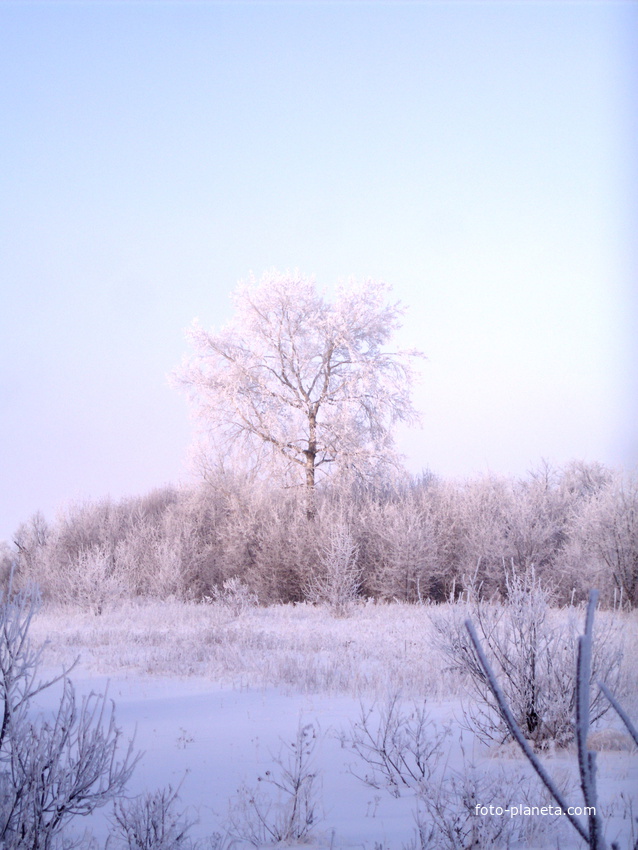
<point>210,736</point>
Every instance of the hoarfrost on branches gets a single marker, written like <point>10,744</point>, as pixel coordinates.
<point>296,379</point>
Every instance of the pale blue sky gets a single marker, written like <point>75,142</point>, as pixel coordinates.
<point>478,156</point>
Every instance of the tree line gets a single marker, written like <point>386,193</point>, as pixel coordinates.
<point>302,495</point>
<point>418,539</point>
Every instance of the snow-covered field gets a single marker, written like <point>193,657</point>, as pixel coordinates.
<point>215,697</point>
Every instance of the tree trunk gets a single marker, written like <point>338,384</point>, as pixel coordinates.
<point>311,510</point>
<point>311,456</point>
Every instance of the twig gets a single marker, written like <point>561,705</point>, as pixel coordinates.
<point>520,739</point>
<point>620,711</point>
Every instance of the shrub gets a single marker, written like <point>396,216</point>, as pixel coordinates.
<point>52,769</point>
<point>592,832</point>
<point>534,659</point>
<point>151,822</point>
<point>259,819</point>
<point>337,580</point>
<point>402,751</point>
<point>233,595</point>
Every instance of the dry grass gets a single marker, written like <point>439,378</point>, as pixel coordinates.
<point>298,647</point>
<point>301,648</point>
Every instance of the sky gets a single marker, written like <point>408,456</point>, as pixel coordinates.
<point>479,157</point>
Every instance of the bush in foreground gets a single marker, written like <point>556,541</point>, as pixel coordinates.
<point>533,654</point>
<point>51,769</point>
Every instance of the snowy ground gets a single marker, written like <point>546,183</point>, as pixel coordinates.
<point>213,697</point>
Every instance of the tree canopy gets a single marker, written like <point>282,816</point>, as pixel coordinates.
<point>301,381</point>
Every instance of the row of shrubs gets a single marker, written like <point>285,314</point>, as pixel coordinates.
<point>419,539</point>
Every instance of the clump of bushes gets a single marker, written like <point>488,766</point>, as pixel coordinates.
<point>532,653</point>
<point>413,540</point>
<point>52,769</point>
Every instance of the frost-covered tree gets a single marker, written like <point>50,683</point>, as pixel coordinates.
<point>609,529</point>
<point>296,378</point>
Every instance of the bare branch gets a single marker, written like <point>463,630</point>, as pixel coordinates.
<point>518,735</point>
